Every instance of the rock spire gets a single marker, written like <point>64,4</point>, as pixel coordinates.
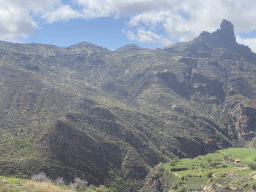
<point>226,32</point>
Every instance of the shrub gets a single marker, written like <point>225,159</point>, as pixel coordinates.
<point>175,186</point>
<point>59,181</point>
<point>182,178</point>
<point>92,187</point>
<point>41,177</point>
<point>181,182</point>
<point>226,158</point>
<point>209,160</point>
<point>209,175</point>
<point>79,184</point>
<point>214,164</point>
<point>111,189</point>
<point>179,169</point>
<point>252,166</point>
<point>182,189</point>
<point>254,186</point>
<point>223,175</point>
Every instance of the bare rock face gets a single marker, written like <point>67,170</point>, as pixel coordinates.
<point>226,32</point>
<point>245,119</point>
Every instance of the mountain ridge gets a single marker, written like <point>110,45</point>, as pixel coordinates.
<point>110,116</point>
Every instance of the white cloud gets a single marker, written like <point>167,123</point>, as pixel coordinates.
<point>181,20</point>
<point>250,42</point>
<point>145,36</point>
<point>62,13</point>
<point>146,20</point>
<point>16,21</point>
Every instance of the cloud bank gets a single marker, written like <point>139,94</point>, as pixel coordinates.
<point>147,21</point>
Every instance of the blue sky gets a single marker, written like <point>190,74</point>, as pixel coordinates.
<point>115,23</point>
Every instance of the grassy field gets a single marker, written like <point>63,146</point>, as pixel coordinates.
<point>227,169</point>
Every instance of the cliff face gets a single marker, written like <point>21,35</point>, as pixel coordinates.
<point>109,116</point>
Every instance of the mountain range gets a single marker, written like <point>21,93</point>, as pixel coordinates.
<point>109,116</point>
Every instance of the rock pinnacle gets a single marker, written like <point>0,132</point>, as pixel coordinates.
<point>226,31</point>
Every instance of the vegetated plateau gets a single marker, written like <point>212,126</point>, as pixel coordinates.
<point>109,117</point>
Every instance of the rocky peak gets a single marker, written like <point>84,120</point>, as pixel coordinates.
<point>226,31</point>
<point>129,47</point>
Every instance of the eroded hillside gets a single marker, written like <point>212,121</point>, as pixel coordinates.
<point>110,116</point>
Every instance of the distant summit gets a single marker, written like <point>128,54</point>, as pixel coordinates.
<point>220,45</point>
<point>226,32</point>
<point>129,47</point>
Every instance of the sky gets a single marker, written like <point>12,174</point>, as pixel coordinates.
<point>115,23</point>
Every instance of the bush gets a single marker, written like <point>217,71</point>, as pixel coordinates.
<point>59,181</point>
<point>252,166</point>
<point>226,158</point>
<point>79,184</point>
<point>41,177</point>
<point>209,175</point>
<point>175,186</point>
<point>209,160</point>
<point>111,189</point>
<point>254,186</point>
<point>92,187</point>
<point>223,175</point>
<point>214,164</point>
<point>179,169</point>
<point>182,189</point>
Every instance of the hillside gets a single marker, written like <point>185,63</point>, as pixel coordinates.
<point>110,116</point>
<point>232,169</point>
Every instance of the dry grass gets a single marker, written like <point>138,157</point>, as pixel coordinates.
<point>31,186</point>
<point>4,188</point>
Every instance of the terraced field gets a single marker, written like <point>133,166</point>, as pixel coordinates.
<point>231,169</point>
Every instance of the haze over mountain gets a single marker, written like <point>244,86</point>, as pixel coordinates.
<point>110,116</point>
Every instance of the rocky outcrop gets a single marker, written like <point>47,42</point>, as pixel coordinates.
<point>193,82</point>
<point>245,121</point>
<point>226,32</point>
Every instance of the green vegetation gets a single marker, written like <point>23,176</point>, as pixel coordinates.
<point>109,117</point>
<point>200,173</point>
<point>10,184</point>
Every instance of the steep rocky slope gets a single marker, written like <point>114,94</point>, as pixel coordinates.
<point>109,116</point>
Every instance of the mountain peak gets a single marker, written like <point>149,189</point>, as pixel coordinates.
<point>226,31</point>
